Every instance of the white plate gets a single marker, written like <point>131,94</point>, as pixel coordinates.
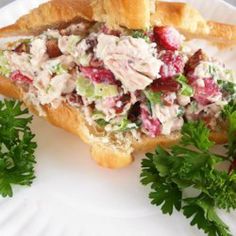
<point>73,196</point>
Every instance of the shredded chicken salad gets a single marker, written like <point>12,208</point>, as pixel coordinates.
<point>122,81</point>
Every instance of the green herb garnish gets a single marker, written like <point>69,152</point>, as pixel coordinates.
<point>140,34</point>
<point>229,113</point>
<point>171,172</point>
<point>16,147</point>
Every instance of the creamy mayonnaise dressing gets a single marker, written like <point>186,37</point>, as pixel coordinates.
<point>168,116</point>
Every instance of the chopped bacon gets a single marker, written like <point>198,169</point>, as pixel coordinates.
<point>167,38</point>
<point>17,76</point>
<point>98,75</point>
<point>173,64</point>
<point>52,48</point>
<point>168,85</point>
<point>194,61</point>
<point>150,124</point>
<point>23,47</point>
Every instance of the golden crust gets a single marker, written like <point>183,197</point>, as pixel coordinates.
<point>147,143</point>
<point>178,15</point>
<point>222,32</point>
<point>53,14</point>
<point>191,23</point>
<point>110,157</point>
<point>59,13</point>
<point>123,13</point>
<point>8,89</point>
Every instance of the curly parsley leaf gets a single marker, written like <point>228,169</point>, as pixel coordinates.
<point>164,194</point>
<point>229,113</point>
<point>196,134</point>
<point>202,211</point>
<point>192,165</point>
<point>16,147</point>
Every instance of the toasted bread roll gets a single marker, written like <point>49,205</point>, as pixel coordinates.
<point>59,13</point>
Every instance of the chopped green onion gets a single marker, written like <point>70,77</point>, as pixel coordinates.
<point>186,89</point>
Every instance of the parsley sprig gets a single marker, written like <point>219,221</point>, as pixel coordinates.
<point>140,34</point>
<point>192,164</point>
<point>16,147</point>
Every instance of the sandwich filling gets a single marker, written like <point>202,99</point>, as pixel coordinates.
<point>141,83</point>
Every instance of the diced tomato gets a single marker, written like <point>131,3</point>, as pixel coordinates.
<point>17,76</point>
<point>173,64</point>
<point>167,84</point>
<point>98,75</point>
<point>167,38</point>
<point>150,124</point>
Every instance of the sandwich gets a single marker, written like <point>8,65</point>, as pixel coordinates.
<point>118,75</point>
